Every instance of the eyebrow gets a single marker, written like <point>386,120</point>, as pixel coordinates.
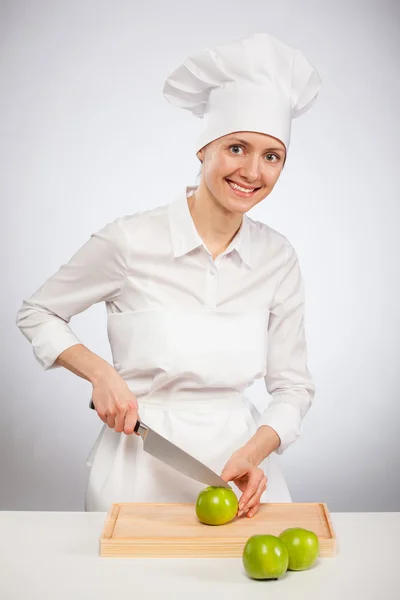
<point>244,143</point>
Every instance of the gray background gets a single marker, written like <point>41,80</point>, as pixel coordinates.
<point>86,136</point>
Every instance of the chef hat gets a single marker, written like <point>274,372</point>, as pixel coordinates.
<point>254,83</point>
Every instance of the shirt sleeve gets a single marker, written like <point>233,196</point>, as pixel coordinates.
<point>94,274</point>
<point>287,379</point>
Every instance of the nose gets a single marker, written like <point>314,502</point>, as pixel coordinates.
<point>250,170</point>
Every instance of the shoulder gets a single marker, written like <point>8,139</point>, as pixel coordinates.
<point>267,241</point>
<point>126,228</point>
<point>147,218</point>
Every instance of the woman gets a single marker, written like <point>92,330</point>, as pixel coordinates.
<point>201,299</point>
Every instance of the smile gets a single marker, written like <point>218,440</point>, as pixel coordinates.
<point>241,191</point>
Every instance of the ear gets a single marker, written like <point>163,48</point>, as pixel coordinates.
<point>200,155</point>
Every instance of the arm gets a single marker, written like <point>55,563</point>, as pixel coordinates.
<point>83,362</point>
<point>287,380</point>
<point>113,400</point>
<point>94,274</point>
<point>263,442</point>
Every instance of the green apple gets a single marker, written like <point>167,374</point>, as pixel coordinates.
<point>302,546</point>
<point>265,557</point>
<point>216,505</point>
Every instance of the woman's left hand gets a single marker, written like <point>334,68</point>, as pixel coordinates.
<point>249,479</point>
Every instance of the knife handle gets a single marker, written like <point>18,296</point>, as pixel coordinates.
<point>91,405</point>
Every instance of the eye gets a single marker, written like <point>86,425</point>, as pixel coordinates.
<point>235,146</point>
<point>278,158</point>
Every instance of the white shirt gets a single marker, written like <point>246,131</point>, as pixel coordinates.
<point>163,292</point>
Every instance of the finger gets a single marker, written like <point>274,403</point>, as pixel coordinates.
<point>232,471</point>
<point>102,416</point>
<point>111,418</point>
<point>120,420</point>
<point>241,483</point>
<point>253,511</point>
<point>258,493</point>
<point>131,418</point>
<point>254,502</point>
<point>102,413</point>
<point>254,499</point>
<point>251,488</point>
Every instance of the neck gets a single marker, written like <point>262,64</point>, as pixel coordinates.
<point>216,225</point>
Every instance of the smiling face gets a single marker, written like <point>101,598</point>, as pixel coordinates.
<point>249,160</point>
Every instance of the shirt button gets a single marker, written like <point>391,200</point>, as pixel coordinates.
<point>212,272</point>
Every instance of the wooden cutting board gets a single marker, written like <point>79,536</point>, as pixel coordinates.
<point>173,530</point>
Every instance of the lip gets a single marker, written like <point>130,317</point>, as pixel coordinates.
<point>239,193</point>
<point>242,185</point>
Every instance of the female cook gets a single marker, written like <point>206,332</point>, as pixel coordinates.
<point>201,299</point>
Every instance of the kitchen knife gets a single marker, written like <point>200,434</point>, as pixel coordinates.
<point>173,456</point>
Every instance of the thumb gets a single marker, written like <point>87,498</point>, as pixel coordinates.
<point>230,472</point>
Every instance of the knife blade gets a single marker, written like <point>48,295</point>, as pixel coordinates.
<point>173,456</point>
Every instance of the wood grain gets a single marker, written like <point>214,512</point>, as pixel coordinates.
<point>173,530</point>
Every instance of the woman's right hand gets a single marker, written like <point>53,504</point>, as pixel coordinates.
<point>114,402</point>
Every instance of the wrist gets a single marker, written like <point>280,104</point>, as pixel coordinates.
<point>261,445</point>
<point>102,373</point>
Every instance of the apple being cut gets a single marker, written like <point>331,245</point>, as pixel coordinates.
<point>216,505</point>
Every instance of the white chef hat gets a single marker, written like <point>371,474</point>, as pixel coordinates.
<point>254,83</point>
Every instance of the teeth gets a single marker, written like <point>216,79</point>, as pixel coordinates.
<point>237,187</point>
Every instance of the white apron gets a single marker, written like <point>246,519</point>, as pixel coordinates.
<point>221,355</point>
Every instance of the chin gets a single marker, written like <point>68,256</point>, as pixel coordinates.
<point>240,205</point>
<point>237,207</point>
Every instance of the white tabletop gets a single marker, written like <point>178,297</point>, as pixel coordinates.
<point>55,556</point>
